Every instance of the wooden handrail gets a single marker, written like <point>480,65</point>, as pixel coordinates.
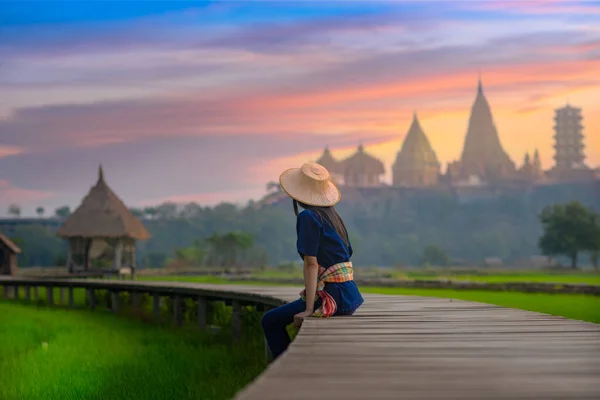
<point>177,291</point>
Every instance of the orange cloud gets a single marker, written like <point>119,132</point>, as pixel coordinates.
<point>429,86</point>
<point>6,151</point>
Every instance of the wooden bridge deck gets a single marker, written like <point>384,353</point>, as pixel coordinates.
<point>398,347</point>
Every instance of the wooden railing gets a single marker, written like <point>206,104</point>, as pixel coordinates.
<point>178,292</point>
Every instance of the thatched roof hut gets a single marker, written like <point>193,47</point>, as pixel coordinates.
<point>104,221</point>
<point>103,214</point>
<point>8,256</point>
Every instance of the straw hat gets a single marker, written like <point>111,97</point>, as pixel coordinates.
<point>311,185</point>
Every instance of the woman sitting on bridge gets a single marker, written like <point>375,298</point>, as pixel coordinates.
<point>324,246</point>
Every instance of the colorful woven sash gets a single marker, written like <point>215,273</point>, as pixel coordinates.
<point>337,273</point>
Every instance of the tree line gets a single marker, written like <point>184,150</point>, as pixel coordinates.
<point>15,211</point>
<point>413,229</point>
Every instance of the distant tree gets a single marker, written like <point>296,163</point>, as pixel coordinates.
<point>137,212</point>
<point>14,210</point>
<point>18,241</point>
<point>155,259</point>
<point>167,210</point>
<point>273,187</point>
<point>569,229</point>
<point>190,210</point>
<point>258,257</point>
<point>191,255</point>
<point>62,212</point>
<point>225,250</point>
<point>40,211</point>
<point>434,255</point>
<point>40,246</point>
<point>150,212</point>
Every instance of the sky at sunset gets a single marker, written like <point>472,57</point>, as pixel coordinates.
<point>207,101</point>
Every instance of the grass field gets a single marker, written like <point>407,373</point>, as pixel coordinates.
<point>575,306</point>
<point>57,353</point>
<point>476,275</point>
<point>497,277</point>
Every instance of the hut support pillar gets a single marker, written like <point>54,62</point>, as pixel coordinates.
<point>132,255</point>
<point>12,264</point>
<point>86,254</point>
<point>70,257</point>
<point>118,254</point>
<point>236,319</point>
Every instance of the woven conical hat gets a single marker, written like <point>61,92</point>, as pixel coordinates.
<point>311,184</point>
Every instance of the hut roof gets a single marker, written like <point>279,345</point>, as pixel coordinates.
<point>103,214</point>
<point>328,161</point>
<point>9,244</point>
<point>416,150</point>
<point>363,163</point>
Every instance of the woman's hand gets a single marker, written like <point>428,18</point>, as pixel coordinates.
<point>298,318</point>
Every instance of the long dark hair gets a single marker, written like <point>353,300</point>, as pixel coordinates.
<point>330,215</point>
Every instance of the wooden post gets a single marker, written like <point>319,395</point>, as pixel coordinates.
<point>16,292</point>
<point>62,296</point>
<point>133,259</point>
<point>268,356</point>
<point>70,257</point>
<point>236,319</point>
<point>35,293</point>
<point>91,295</point>
<point>71,297</point>
<point>136,300</point>
<point>27,293</point>
<point>115,301</point>
<point>12,264</point>
<point>5,291</point>
<point>177,310</point>
<point>156,306</point>
<point>202,312</point>
<point>50,295</point>
<point>86,253</point>
<point>118,254</point>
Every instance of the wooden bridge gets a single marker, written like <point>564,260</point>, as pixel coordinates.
<point>394,347</point>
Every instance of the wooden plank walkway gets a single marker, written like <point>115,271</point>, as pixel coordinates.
<point>403,347</point>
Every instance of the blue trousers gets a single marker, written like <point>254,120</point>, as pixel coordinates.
<point>275,321</point>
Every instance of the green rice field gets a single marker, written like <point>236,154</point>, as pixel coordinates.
<point>474,275</point>
<point>51,353</point>
<point>581,278</point>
